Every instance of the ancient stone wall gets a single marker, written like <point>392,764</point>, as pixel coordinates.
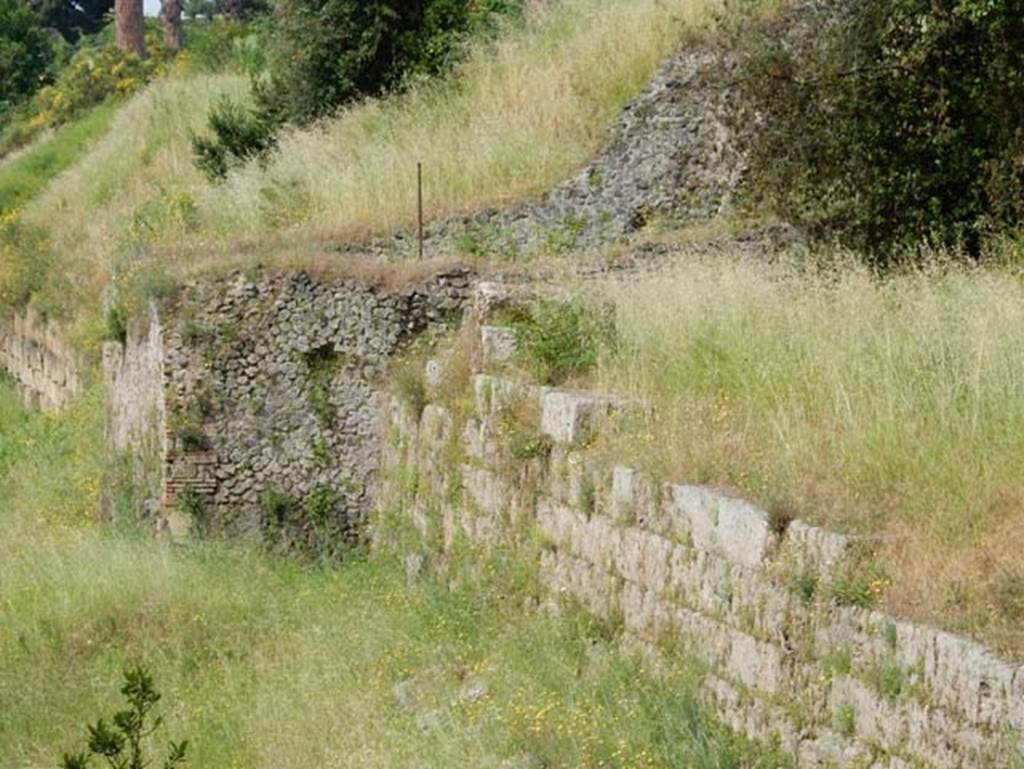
<point>260,400</point>
<point>136,410</point>
<point>46,369</point>
<point>696,569</point>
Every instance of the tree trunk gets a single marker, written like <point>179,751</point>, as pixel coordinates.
<point>170,17</point>
<point>129,29</point>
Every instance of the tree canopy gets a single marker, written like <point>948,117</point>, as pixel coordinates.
<point>25,52</point>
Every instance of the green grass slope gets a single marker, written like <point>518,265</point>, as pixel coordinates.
<point>28,172</point>
<point>263,663</point>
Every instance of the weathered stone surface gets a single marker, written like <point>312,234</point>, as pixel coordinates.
<point>46,370</point>
<point>815,548</point>
<point>722,525</point>
<point>704,572</point>
<point>265,398</point>
<point>497,345</point>
<point>568,417</point>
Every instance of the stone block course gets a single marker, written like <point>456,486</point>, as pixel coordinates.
<point>47,371</point>
<point>704,572</point>
<point>568,417</point>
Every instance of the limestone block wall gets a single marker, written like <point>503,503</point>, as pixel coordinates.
<point>690,567</point>
<point>46,369</point>
<point>136,409</point>
<point>260,400</point>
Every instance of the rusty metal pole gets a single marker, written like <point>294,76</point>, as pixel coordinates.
<point>419,204</point>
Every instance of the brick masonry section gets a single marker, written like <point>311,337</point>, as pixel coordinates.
<point>836,686</point>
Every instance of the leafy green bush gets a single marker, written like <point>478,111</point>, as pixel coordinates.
<point>323,54</point>
<point>240,134</point>
<point>559,340</point>
<point>411,389</point>
<point>95,74</point>
<point>223,45</point>
<point>25,52</point>
<point>122,743</point>
<point>889,121</point>
<point>97,71</point>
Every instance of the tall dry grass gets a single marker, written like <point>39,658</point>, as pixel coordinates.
<point>514,118</point>
<point>892,407</point>
<point>511,121</point>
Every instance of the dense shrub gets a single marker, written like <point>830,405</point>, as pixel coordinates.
<point>74,18</point>
<point>562,339</point>
<point>323,54</point>
<point>25,52</point>
<point>222,45</point>
<point>122,743</point>
<point>25,260</point>
<point>94,74</point>
<point>890,121</point>
<point>240,134</point>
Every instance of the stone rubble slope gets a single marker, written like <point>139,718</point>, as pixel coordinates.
<point>668,158</point>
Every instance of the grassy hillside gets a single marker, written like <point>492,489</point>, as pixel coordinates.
<point>892,407</point>
<point>24,175</point>
<point>263,663</point>
<point>517,116</point>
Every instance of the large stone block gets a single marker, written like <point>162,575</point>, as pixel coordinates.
<point>755,664</point>
<point>568,417</point>
<point>722,525</point>
<point>497,345</point>
<point>814,548</point>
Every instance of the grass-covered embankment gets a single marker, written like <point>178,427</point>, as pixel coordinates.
<point>22,177</point>
<point>264,663</point>
<point>892,407</point>
<point>518,115</point>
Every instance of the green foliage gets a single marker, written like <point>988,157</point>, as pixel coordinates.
<point>526,442</point>
<point>190,434</point>
<point>859,586</point>
<point>121,743</point>
<point>98,71</point>
<point>277,505</point>
<point>890,680</point>
<point>805,586</point>
<point>890,121</point>
<point>74,18</point>
<point>324,364</point>
<point>116,323</point>
<point>239,134</point>
<point>25,52</point>
<point>411,390</point>
<point>845,721</point>
<point>94,74</point>
<point>838,662</point>
<point>324,54</point>
<point>24,177</point>
<point>235,632</point>
<point>222,45</point>
<point>26,260</point>
<point>562,339</point>
<point>191,503</point>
